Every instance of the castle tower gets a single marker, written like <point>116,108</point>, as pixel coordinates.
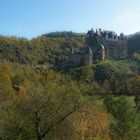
<point>88,56</point>
<point>102,52</point>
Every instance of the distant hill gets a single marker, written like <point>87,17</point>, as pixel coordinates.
<point>41,50</point>
<point>134,43</point>
<point>137,32</point>
<point>64,34</point>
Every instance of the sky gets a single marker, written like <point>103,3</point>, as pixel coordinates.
<point>30,18</point>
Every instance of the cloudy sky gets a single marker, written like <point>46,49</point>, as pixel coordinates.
<point>30,18</point>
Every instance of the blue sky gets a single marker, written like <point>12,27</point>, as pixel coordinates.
<point>30,18</point>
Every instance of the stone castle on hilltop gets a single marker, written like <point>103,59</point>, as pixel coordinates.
<point>100,45</point>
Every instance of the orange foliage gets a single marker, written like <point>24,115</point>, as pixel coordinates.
<point>21,92</point>
<point>94,125</point>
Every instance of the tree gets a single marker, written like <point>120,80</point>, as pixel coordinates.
<point>47,110</point>
<point>125,124</point>
<point>93,122</point>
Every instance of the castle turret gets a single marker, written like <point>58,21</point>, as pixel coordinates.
<point>102,52</point>
<point>88,56</point>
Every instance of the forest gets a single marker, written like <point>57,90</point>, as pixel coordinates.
<point>95,102</point>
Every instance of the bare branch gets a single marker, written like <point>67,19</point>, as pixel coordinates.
<point>57,122</point>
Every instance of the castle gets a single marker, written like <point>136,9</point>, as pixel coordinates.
<point>100,45</point>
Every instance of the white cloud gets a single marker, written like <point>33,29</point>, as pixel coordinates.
<point>127,21</point>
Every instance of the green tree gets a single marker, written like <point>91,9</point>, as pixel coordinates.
<point>48,108</point>
<point>125,119</point>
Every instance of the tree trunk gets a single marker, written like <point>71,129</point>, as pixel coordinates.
<point>37,128</point>
<point>39,137</point>
<point>137,101</point>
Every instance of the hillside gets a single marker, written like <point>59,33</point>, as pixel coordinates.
<point>48,47</point>
<point>89,102</point>
<point>102,96</point>
<point>134,43</point>
<point>40,50</point>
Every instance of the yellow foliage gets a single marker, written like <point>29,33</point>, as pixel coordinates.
<point>93,125</point>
